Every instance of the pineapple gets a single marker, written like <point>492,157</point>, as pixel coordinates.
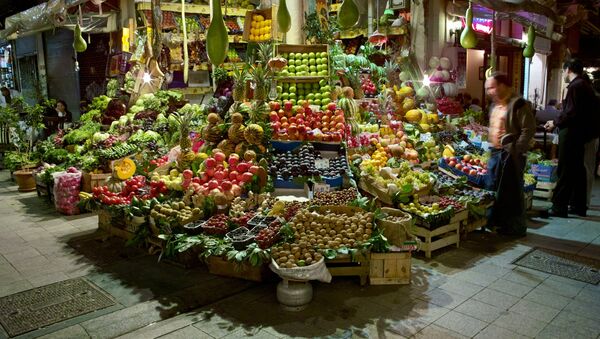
<point>187,156</point>
<point>240,75</point>
<point>264,52</point>
<point>260,78</point>
<point>236,131</point>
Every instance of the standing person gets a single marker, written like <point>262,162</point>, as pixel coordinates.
<point>578,124</point>
<point>512,127</point>
<point>57,117</point>
<point>5,97</point>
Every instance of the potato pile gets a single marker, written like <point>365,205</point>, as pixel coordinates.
<point>176,210</point>
<point>314,231</point>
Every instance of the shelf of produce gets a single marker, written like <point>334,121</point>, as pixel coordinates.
<point>232,38</point>
<point>343,266</point>
<point>448,235</point>
<point>353,33</point>
<point>193,9</point>
<point>390,268</point>
<point>301,79</point>
<point>205,66</point>
<point>195,90</point>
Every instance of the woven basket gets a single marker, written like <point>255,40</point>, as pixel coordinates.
<point>396,232</point>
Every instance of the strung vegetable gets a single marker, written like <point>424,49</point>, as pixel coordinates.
<point>468,39</point>
<point>529,51</point>
<point>79,44</point>
<point>217,41</point>
<point>284,20</point>
<point>348,14</point>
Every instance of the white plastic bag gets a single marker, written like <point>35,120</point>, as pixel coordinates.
<point>317,271</point>
<point>67,186</point>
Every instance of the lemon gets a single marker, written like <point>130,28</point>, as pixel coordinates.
<point>259,18</point>
<point>253,24</point>
<point>252,37</point>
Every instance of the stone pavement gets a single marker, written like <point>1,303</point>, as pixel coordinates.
<point>473,291</point>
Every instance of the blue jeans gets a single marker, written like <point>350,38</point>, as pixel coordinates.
<point>506,179</point>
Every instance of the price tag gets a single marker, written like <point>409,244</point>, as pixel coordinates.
<point>321,187</point>
<point>425,136</point>
<point>463,144</point>
<point>485,145</point>
<point>322,163</point>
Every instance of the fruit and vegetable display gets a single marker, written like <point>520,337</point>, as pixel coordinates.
<point>305,64</point>
<point>260,28</point>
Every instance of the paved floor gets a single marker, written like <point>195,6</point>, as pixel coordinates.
<point>473,291</point>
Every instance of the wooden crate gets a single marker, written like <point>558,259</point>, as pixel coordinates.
<point>91,180</point>
<point>267,13</point>
<point>460,216</point>
<point>343,266</point>
<point>544,190</point>
<point>221,266</point>
<point>390,268</point>
<point>447,235</point>
<point>474,224</point>
<point>288,48</point>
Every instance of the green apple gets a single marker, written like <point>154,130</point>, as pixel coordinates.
<point>279,89</point>
<point>292,96</point>
<point>318,102</point>
<point>284,73</point>
<point>310,96</point>
<point>311,101</point>
<point>325,95</point>
<point>314,74</point>
<point>292,55</point>
<point>311,55</point>
<point>305,61</point>
<point>312,62</point>
<point>318,96</point>
<point>323,55</point>
<point>325,101</point>
<point>285,96</point>
<point>322,82</point>
<point>312,68</point>
<point>292,69</point>
<point>326,88</point>
<point>293,101</point>
<point>322,73</point>
<point>292,89</point>
<point>304,55</point>
<point>284,55</point>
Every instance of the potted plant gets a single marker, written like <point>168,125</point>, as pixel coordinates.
<point>24,142</point>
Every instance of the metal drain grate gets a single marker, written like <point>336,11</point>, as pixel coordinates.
<point>560,263</point>
<point>39,307</point>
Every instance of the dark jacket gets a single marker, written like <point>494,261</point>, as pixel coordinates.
<point>580,111</point>
<point>520,125</point>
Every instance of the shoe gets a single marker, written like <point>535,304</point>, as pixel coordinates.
<point>579,212</point>
<point>556,213</point>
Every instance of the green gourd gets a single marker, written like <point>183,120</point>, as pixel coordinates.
<point>468,39</point>
<point>284,20</point>
<point>217,42</point>
<point>529,51</point>
<point>348,14</point>
<point>79,44</point>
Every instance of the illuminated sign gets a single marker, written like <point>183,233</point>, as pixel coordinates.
<point>481,25</point>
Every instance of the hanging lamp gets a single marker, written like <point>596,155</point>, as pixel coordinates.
<point>376,38</point>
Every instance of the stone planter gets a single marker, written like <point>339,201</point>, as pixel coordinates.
<point>25,180</point>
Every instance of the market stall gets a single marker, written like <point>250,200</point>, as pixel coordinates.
<point>319,160</point>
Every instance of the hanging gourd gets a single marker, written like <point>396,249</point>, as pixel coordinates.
<point>348,14</point>
<point>284,20</point>
<point>468,39</point>
<point>529,51</point>
<point>79,44</point>
<point>217,41</point>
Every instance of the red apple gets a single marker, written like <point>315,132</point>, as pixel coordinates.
<point>196,180</point>
<point>226,185</point>
<point>253,169</point>
<point>210,163</point>
<point>331,106</point>
<point>242,167</point>
<point>458,167</point>
<point>210,172</point>
<point>466,170</point>
<point>219,175</point>
<point>472,172</point>
<point>233,175</point>
<point>219,157</point>
<point>247,177</point>
<point>188,174</point>
<point>213,184</point>
<point>275,106</point>
<point>273,116</point>
<point>233,160</point>
<point>288,106</point>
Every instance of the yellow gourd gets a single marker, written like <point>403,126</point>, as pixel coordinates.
<point>348,14</point>
<point>468,39</point>
<point>79,44</point>
<point>124,169</point>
